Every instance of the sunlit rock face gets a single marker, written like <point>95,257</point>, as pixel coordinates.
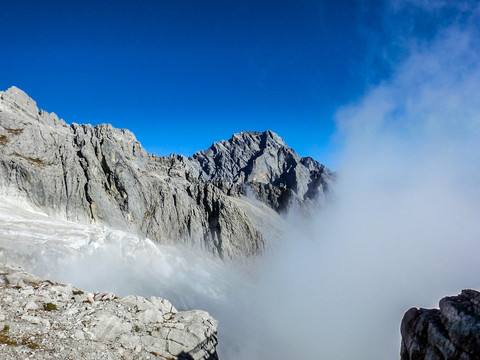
<point>102,175</point>
<point>43,320</point>
<point>452,332</point>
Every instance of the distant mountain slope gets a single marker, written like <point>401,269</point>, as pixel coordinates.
<point>103,175</point>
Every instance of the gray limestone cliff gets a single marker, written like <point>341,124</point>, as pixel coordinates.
<point>451,332</point>
<point>41,319</point>
<point>103,175</point>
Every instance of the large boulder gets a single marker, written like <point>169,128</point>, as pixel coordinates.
<point>449,333</point>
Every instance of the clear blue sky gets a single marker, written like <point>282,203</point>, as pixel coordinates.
<point>182,74</point>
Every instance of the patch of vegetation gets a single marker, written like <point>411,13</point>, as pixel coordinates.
<point>14,131</point>
<point>154,353</point>
<point>35,161</point>
<point>32,345</point>
<point>49,307</point>
<point>137,328</point>
<point>31,160</point>
<point>7,340</point>
<point>77,292</point>
<point>5,337</point>
<point>3,140</point>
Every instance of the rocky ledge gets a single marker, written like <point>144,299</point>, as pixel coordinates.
<point>41,319</point>
<point>450,333</point>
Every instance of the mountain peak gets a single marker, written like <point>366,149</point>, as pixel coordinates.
<point>14,91</point>
<point>264,139</point>
<point>18,97</point>
<point>272,135</point>
<point>241,146</point>
<point>263,162</point>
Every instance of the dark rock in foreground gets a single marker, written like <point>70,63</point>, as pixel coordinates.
<point>451,333</point>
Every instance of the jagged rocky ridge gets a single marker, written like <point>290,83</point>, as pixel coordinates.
<point>449,333</point>
<point>41,319</point>
<point>103,175</point>
<point>265,164</point>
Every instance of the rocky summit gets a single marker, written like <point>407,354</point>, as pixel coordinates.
<point>263,163</point>
<point>40,319</point>
<point>102,175</point>
<point>449,333</point>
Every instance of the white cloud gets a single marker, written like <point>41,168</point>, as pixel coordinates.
<point>432,5</point>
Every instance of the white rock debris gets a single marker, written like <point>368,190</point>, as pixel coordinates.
<point>40,319</point>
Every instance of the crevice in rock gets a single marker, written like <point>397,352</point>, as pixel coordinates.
<point>84,165</point>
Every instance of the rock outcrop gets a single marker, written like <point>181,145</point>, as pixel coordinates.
<point>41,319</point>
<point>450,333</point>
<point>102,175</point>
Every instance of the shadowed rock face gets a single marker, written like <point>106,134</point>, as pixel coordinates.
<point>103,175</point>
<point>450,333</point>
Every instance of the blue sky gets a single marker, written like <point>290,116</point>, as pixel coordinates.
<point>182,74</point>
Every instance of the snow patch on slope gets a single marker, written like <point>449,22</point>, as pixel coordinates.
<point>101,258</point>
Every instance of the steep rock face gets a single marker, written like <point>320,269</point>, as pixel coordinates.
<point>41,319</point>
<point>450,333</point>
<point>103,175</point>
<point>263,163</point>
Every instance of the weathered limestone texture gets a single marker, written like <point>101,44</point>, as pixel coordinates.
<point>41,319</point>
